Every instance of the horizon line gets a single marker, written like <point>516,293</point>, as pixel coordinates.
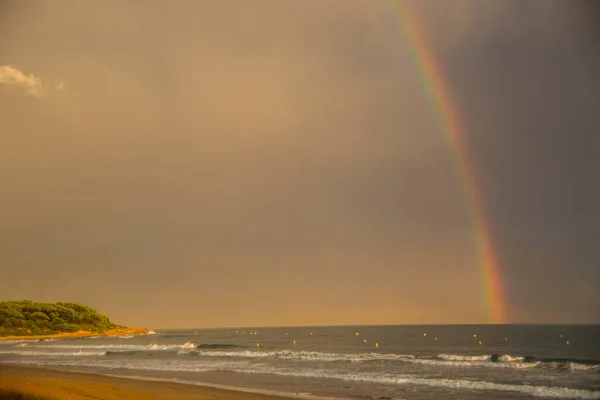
<point>386,325</point>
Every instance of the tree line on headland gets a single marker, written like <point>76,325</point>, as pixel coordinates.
<point>28,318</point>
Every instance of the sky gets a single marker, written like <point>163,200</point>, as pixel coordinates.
<point>270,163</point>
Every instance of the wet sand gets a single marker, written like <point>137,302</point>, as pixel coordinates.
<point>55,385</point>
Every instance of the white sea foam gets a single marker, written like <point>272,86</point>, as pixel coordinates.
<point>509,358</point>
<point>450,363</point>
<point>442,360</point>
<point>371,377</point>
<point>583,367</point>
<point>125,336</point>
<point>54,353</point>
<point>132,347</point>
<point>458,357</point>
<point>304,355</point>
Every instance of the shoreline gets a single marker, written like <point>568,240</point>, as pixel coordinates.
<point>54,384</point>
<point>80,334</point>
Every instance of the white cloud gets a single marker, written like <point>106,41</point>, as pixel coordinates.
<point>30,83</point>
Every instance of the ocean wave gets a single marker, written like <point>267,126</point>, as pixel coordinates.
<point>443,360</point>
<point>370,377</point>
<point>447,360</point>
<point>510,361</point>
<point>138,347</point>
<point>458,363</point>
<point>582,367</point>
<point>53,353</point>
<point>302,355</point>
<point>459,357</point>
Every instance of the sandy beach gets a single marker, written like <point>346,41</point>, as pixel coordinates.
<point>81,334</point>
<point>49,384</point>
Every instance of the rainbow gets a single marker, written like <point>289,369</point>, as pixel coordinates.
<point>434,83</point>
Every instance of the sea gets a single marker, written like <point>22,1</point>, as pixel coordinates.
<point>354,362</point>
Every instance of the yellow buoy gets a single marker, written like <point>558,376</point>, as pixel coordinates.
<point>311,334</point>
<point>480,342</point>
<point>356,333</point>
<point>236,331</point>
<point>376,344</point>
<point>505,338</point>
<point>435,339</point>
<point>257,344</point>
<point>424,334</point>
<point>474,335</point>
<point>255,333</point>
<point>567,342</point>
<point>365,340</point>
<point>294,342</point>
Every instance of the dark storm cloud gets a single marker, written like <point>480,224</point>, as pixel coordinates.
<point>278,163</point>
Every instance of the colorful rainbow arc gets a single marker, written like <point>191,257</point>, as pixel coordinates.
<point>435,85</point>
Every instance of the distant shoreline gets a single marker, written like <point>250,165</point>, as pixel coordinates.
<point>81,334</point>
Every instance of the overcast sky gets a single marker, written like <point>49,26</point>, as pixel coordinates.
<point>228,163</point>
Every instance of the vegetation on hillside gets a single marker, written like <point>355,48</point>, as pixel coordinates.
<point>27,318</point>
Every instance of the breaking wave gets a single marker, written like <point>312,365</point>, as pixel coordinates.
<point>301,355</point>
<point>370,377</point>
<point>138,347</point>
<point>53,353</point>
<point>220,350</point>
<point>448,360</point>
